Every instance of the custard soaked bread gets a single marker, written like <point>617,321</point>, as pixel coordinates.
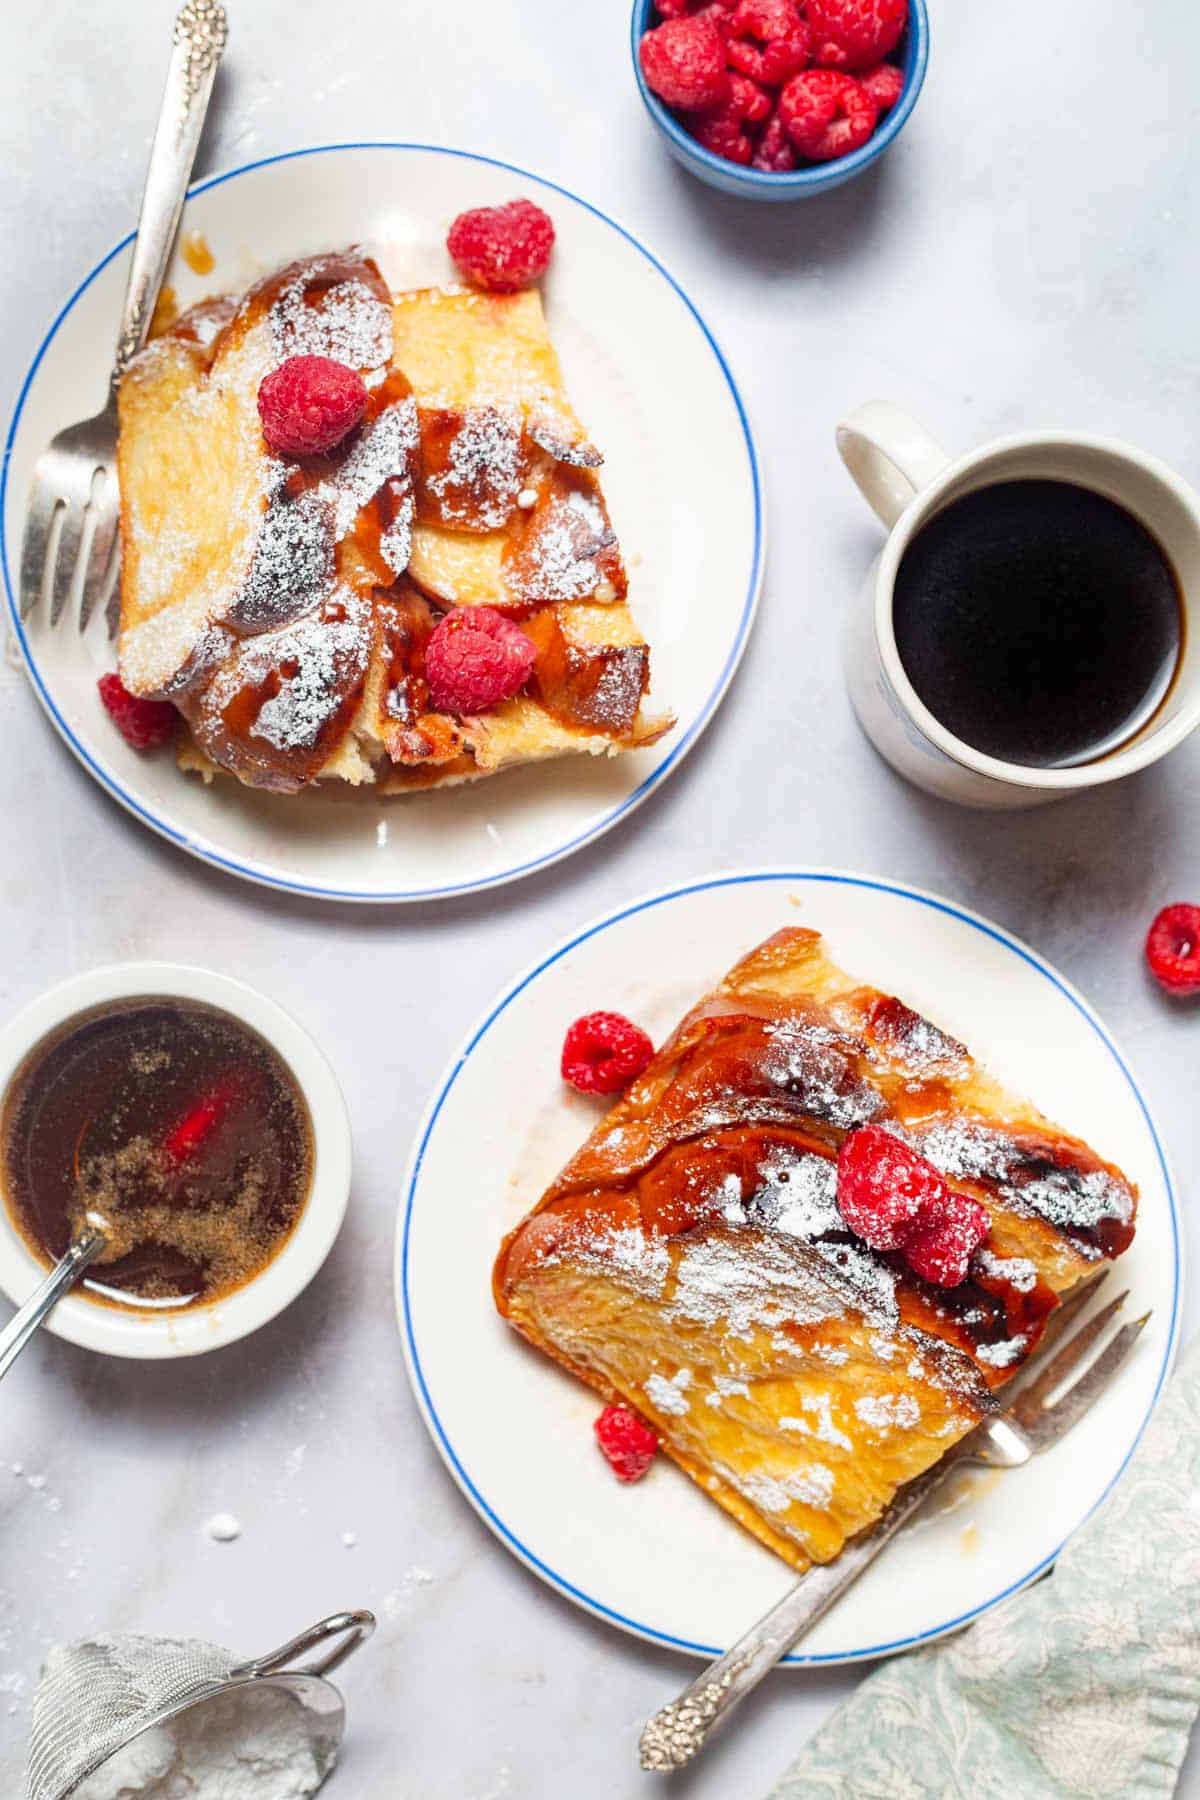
<point>284,604</point>
<point>691,1260</point>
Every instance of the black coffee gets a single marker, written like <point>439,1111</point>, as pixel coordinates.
<point>1039,622</point>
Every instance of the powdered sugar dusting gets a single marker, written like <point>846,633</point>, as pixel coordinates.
<point>485,470</point>
<point>383,451</point>
<point>1068,1198</point>
<point>669,1396</point>
<point>346,322</point>
<point>1004,1354</point>
<point>806,1061</point>
<point>798,1194</point>
<point>561,554</point>
<point>1017,1271</point>
<point>887,1412</point>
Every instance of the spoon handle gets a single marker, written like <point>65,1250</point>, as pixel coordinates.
<point>24,1323</point>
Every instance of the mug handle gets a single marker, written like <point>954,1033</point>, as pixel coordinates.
<point>890,457</point>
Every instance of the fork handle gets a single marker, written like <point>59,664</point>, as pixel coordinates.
<point>679,1731</point>
<point>200,37</point>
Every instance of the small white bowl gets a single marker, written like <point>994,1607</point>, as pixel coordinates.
<point>112,1329</point>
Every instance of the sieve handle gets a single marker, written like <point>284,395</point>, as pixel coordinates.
<point>354,1628</point>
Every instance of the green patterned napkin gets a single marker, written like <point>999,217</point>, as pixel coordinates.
<point>1085,1685</point>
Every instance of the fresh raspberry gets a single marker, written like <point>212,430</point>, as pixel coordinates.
<point>146,724</point>
<point>942,1253</point>
<point>827,115</point>
<point>720,130</point>
<point>885,1191</point>
<point>751,101</point>
<point>768,40</point>
<point>884,83</point>
<point>1173,948</point>
<point>775,153</point>
<point>894,1200</point>
<point>502,248</point>
<point>309,404</point>
<point>604,1051</point>
<point>683,61</point>
<point>682,9</point>
<point>475,658</point>
<point>855,34</point>
<point>626,1442</point>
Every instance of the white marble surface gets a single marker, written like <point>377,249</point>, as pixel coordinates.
<point>1025,256</point>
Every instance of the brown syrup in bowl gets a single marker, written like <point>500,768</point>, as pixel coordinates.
<point>177,1123</point>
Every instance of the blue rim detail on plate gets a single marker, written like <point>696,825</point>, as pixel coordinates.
<point>412,1356</point>
<point>231,865</point>
<point>799,184</point>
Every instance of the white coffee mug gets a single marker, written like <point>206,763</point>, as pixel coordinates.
<point>906,477</point>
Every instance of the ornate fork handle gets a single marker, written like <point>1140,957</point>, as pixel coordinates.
<point>200,37</point>
<point>676,1733</point>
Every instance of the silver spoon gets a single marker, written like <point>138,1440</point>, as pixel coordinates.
<point>85,1248</point>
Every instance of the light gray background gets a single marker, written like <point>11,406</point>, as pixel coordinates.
<point>1027,255</point>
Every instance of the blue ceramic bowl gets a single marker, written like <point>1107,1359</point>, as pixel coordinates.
<point>757,184</point>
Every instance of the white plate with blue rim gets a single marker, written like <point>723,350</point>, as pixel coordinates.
<point>659,1559</point>
<point>645,374</point>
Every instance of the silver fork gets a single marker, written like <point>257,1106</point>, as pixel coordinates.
<point>1034,1419</point>
<point>71,528</point>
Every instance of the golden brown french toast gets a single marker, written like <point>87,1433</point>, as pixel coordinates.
<point>691,1260</point>
<point>284,605</point>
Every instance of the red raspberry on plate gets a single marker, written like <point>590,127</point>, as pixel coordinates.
<point>884,83</point>
<point>855,34</point>
<point>1173,948</point>
<point>146,724</point>
<point>827,115</point>
<point>604,1051</point>
<point>768,40</point>
<point>775,152</point>
<point>683,61</point>
<point>474,659</point>
<point>627,1443</point>
<point>885,1191</point>
<point>942,1252</point>
<point>309,404</point>
<point>502,248</point>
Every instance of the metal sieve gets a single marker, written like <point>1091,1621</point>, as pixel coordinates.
<point>96,1697</point>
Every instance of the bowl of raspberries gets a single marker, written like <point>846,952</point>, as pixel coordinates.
<point>779,99</point>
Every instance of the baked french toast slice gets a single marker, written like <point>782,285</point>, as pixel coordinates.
<point>691,1261</point>
<point>284,606</point>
